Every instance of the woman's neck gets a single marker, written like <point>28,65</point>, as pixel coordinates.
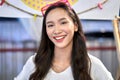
<point>62,59</point>
<point>63,54</point>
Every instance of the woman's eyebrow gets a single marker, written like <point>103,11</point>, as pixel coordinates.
<point>58,20</point>
<point>62,19</point>
<point>49,22</point>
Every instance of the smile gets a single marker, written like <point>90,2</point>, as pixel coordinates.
<point>59,38</point>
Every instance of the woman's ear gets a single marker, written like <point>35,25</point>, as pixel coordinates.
<point>76,27</point>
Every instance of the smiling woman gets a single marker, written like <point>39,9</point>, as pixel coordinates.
<point>60,29</point>
<point>62,53</point>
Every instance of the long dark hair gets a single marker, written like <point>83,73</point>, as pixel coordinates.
<point>80,62</point>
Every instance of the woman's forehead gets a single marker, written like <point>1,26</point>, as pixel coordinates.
<point>57,14</point>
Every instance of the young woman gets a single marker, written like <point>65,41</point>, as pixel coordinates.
<point>62,54</point>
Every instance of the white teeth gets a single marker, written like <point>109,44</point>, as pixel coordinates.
<point>59,37</point>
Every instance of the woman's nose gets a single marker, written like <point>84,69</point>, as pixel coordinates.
<point>57,29</point>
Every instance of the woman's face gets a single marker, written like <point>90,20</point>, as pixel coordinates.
<point>60,28</point>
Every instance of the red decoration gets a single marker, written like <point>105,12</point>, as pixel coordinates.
<point>43,9</point>
<point>2,2</point>
<point>100,5</point>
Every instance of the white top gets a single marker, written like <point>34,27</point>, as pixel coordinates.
<point>98,71</point>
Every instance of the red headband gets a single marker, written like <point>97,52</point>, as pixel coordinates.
<point>44,8</point>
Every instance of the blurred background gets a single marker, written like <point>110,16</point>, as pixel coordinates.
<point>17,44</point>
<point>20,32</point>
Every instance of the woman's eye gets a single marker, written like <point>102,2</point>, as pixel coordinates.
<point>65,22</point>
<point>50,25</point>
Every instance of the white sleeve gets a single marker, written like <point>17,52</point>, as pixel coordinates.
<point>27,70</point>
<point>98,70</point>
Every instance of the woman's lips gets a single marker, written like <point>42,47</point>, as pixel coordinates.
<point>59,38</point>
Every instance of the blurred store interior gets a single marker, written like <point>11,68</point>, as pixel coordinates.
<point>17,44</point>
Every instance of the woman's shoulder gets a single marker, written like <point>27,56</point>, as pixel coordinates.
<point>98,69</point>
<point>27,70</point>
<point>96,62</point>
<point>94,59</point>
<point>30,63</point>
<point>31,58</point>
